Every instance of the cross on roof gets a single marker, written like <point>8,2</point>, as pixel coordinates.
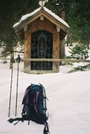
<point>42,3</point>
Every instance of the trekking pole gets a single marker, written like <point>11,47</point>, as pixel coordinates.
<point>12,61</point>
<point>18,61</point>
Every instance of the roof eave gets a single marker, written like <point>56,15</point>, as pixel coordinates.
<point>51,18</point>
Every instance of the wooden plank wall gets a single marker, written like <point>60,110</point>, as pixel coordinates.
<point>41,25</point>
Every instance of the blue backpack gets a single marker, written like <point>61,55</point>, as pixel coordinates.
<point>34,105</point>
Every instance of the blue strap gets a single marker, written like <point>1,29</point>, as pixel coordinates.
<point>36,101</point>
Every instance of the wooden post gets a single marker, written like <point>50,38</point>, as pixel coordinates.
<point>26,51</point>
<point>10,61</point>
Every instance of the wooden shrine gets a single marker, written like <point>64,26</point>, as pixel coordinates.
<point>43,33</point>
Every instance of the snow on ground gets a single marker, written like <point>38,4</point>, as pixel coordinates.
<point>68,105</point>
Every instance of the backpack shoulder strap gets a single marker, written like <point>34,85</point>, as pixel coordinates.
<point>36,103</point>
<point>46,128</point>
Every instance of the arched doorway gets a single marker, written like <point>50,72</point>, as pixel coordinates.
<point>41,47</point>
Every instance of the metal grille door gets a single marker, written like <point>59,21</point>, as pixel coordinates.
<point>41,47</point>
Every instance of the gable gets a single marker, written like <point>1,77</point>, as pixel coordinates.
<point>48,14</point>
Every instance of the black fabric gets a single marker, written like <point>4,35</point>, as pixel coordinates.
<point>28,108</point>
